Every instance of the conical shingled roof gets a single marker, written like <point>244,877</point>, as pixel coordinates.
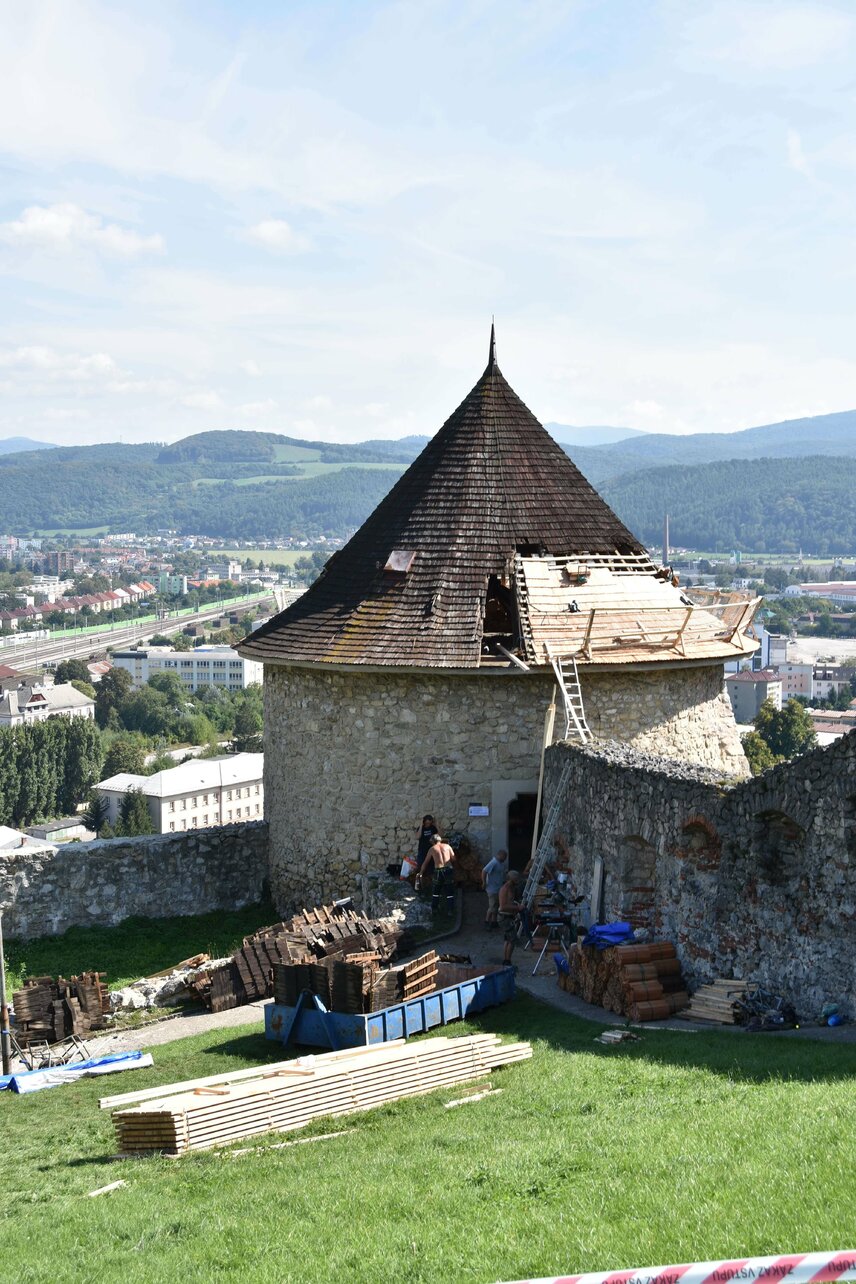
<point>491,482</point>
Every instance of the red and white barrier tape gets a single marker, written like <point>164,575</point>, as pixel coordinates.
<point>799,1268</point>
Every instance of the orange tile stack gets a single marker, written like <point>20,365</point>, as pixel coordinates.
<point>643,982</point>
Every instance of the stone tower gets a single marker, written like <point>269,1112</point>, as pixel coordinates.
<point>414,675</point>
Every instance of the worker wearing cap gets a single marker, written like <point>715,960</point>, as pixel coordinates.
<point>509,908</point>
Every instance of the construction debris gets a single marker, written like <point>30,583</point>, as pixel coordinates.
<point>617,1036</point>
<point>291,1096</point>
<point>311,939</point>
<point>643,982</point>
<point>48,1010</point>
<point>355,982</point>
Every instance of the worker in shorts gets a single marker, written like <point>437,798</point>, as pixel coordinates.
<point>509,909</point>
<point>493,876</point>
<point>442,857</point>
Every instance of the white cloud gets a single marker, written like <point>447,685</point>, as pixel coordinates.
<point>60,365</point>
<point>797,158</point>
<point>278,236</point>
<point>768,36</point>
<point>318,403</point>
<point>209,401</point>
<point>251,368</point>
<point>254,409</point>
<point>68,227</point>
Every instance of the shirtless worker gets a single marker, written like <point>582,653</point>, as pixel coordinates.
<point>442,857</point>
<point>509,908</point>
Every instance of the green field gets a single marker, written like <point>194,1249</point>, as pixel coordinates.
<point>309,469</point>
<point>683,1147</point>
<point>270,556</point>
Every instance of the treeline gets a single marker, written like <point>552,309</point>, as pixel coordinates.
<point>776,505</point>
<point>47,768</point>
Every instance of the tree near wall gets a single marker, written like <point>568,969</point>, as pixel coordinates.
<point>788,731</point>
<point>758,753</point>
<point>134,816</point>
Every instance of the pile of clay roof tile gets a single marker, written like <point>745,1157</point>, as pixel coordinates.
<point>643,982</point>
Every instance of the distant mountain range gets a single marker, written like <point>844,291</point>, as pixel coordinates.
<point>241,484</point>
<point>592,435</point>
<point>14,445</point>
<point>819,435</point>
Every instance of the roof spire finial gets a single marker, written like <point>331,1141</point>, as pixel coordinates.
<point>491,360</point>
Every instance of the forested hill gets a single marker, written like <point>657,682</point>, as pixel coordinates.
<point>780,505</point>
<point>234,485</point>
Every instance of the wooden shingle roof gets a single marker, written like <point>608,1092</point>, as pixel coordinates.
<point>409,588</point>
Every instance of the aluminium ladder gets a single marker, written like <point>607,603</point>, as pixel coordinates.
<point>545,842</point>
<point>568,678</point>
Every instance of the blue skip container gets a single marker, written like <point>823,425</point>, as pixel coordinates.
<point>309,1022</point>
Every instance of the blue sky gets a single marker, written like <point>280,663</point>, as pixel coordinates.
<point>301,217</point>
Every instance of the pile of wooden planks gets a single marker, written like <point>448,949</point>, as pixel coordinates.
<point>717,1002</point>
<point>48,1010</point>
<point>313,935</point>
<point>289,1095</point>
<point>643,982</point>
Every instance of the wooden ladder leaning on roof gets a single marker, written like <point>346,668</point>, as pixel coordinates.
<point>568,678</point>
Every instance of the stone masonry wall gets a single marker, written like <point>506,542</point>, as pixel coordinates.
<point>81,884</point>
<point>753,880</point>
<point>676,713</point>
<point>353,760</point>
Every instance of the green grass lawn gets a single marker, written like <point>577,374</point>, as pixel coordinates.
<point>270,556</point>
<point>682,1147</point>
<point>138,947</point>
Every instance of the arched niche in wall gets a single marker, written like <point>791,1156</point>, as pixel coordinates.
<point>700,843</point>
<point>779,844</point>
<point>636,890</point>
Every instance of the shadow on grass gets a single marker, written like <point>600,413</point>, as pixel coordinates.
<point>250,1047</point>
<point>752,1058</point>
<point>136,947</point>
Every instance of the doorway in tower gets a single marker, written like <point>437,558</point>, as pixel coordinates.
<point>521,828</point>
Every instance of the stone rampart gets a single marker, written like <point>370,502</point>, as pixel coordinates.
<point>753,880</point>
<point>82,884</point>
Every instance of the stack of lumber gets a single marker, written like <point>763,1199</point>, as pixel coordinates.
<point>48,1010</point>
<point>643,982</point>
<point>716,1002</point>
<point>290,1094</point>
<point>312,936</point>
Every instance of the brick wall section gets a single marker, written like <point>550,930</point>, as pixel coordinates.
<point>754,879</point>
<point>354,759</point>
<point>82,884</point>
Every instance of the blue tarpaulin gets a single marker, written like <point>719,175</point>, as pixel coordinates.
<point>55,1076</point>
<point>603,935</point>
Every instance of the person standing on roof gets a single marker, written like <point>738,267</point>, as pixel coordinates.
<point>442,857</point>
<point>493,876</point>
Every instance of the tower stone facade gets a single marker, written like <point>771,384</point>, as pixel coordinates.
<point>414,676</point>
